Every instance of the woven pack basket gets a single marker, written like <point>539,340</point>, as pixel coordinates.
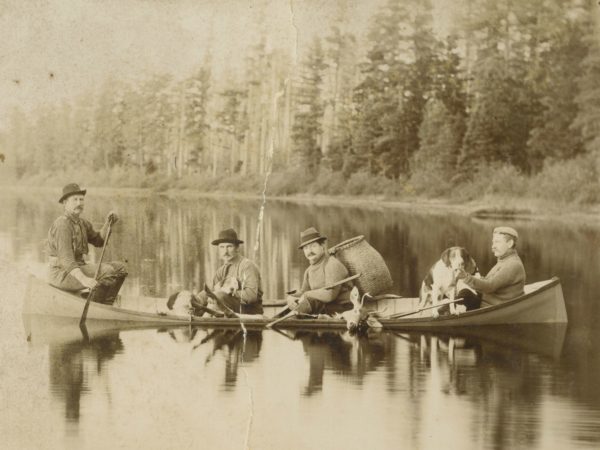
<point>359,257</point>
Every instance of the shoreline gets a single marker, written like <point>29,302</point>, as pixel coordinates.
<point>486,208</point>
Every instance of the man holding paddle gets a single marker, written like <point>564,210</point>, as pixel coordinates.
<point>68,240</point>
<point>237,286</point>
<point>316,296</point>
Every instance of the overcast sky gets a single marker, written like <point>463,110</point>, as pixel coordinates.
<point>55,49</point>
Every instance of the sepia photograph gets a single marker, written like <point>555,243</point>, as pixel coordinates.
<point>299,224</point>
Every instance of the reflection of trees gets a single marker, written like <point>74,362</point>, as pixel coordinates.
<point>167,241</point>
<point>236,346</point>
<point>72,364</point>
<point>341,353</point>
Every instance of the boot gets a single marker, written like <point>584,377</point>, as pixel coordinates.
<point>113,290</point>
<point>98,294</point>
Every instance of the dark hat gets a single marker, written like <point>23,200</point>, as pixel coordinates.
<point>507,230</point>
<point>71,189</point>
<point>228,235</point>
<point>310,235</point>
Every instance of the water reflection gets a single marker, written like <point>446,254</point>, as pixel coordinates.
<point>237,347</point>
<point>348,355</point>
<point>75,357</point>
<point>506,376</point>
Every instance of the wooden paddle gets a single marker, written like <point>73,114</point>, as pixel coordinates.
<point>287,309</point>
<point>398,315</point>
<point>211,294</point>
<point>87,303</point>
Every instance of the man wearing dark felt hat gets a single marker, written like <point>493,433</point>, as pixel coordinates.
<point>324,270</point>
<point>68,240</point>
<point>506,280</point>
<point>245,295</point>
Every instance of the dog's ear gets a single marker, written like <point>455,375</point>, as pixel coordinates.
<point>475,268</point>
<point>171,300</point>
<point>446,256</point>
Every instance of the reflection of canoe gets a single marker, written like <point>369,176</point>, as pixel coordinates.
<point>544,339</point>
<point>542,303</point>
<point>54,330</point>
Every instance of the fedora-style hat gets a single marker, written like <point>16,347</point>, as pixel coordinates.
<point>229,235</point>
<point>508,231</point>
<point>310,235</point>
<point>71,189</point>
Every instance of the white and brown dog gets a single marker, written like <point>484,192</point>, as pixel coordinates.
<point>441,281</point>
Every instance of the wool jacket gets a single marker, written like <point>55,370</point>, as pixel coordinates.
<point>249,276</point>
<point>325,272</point>
<point>504,281</point>
<point>68,240</point>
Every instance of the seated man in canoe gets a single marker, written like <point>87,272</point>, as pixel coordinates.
<point>324,270</point>
<point>504,281</point>
<point>68,240</point>
<point>237,284</point>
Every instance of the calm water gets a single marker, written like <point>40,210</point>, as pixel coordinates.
<point>502,387</point>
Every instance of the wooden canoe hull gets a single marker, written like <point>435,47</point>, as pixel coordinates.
<point>543,303</point>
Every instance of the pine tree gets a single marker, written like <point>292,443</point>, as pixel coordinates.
<point>587,121</point>
<point>307,128</point>
<point>398,80</point>
<point>433,165</point>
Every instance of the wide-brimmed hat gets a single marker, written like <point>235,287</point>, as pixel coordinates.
<point>229,235</point>
<point>71,189</point>
<point>310,235</point>
<point>507,230</point>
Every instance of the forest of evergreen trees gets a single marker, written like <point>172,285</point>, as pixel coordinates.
<point>508,102</point>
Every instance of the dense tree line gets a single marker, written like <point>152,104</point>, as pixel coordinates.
<point>512,84</point>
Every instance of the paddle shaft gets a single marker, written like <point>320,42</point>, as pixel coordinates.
<point>328,287</point>
<point>87,303</point>
<point>397,316</point>
<point>292,313</point>
<point>212,295</point>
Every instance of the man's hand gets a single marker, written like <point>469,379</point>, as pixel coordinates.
<point>292,301</point>
<point>89,283</point>
<point>460,274</point>
<point>112,217</point>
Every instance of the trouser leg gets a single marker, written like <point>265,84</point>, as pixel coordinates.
<point>110,279</point>
<point>471,300</point>
<point>236,305</point>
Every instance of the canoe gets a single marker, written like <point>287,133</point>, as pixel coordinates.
<point>543,302</point>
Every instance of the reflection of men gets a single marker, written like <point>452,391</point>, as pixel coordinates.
<point>68,240</point>
<point>324,270</point>
<point>506,279</point>
<point>246,295</point>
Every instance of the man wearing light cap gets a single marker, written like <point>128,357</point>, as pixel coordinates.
<point>506,279</point>
<point>324,270</point>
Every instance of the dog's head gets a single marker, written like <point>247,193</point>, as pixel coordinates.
<point>459,258</point>
<point>182,302</point>
<point>230,285</point>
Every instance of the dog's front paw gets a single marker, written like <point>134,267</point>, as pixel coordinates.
<point>435,313</point>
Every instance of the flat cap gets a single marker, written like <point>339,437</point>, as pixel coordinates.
<point>507,230</point>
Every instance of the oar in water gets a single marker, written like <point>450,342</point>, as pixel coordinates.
<point>87,303</point>
<point>287,313</point>
<point>398,315</point>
